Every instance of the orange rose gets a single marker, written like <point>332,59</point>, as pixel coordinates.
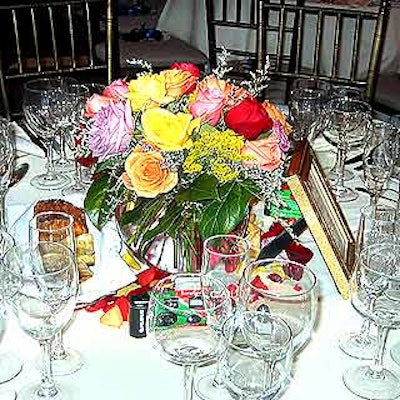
<point>266,153</point>
<point>178,82</point>
<point>145,174</point>
<point>276,114</point>
<point>95,103</point>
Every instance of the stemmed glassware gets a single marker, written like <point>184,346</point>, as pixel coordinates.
<point>258,357</point>
<point>45,288</point>
<point>378,158</point>
<point>375,226</point>
<point>7,159</point>
<point>57,227</point>
<point>10,365</point>
<point>305,106</point>
<point>375,295</point>
<point>283,288</point>
<point>42,119</point>
<point>184,321</point>
<point>349,119</point>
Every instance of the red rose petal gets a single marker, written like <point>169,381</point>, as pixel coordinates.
<point>298,253</point>
<point>258,283</point>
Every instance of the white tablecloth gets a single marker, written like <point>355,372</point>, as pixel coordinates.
<point>187,21</point>
<point>118,366</point>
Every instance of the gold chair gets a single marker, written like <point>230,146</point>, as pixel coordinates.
<point>54,38</point>
<point>337,44</point>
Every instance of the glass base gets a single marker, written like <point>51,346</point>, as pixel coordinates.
<point>44,183</point>
<point>10,367</point>
<point>64,165</point>
<point>207,390</point>
<point>362,382</point>
<point>344,194</point>
<point>8,395</point>
<point>76,188</point>
<point>347,175</point>
<point>358,346</point>
<point>62,392</point>
<point>71,363</point>
<point>395,353</point>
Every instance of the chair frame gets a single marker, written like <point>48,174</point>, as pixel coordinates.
<point>112,50</point>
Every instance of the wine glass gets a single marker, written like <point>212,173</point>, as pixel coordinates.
<point>224,258</point>
<point>57,227</point>
<point>375,226</point>
<point>10,365</point>
<point>375,295</point>
<point>349,119</point>
<point>40,120</point>
<point>378,158</point>
<point>305,106</point>
<point>283,288</point>
<point>7,158</point>
<point>45,295</point>
<point>258,357</point>
<point>182,323</point>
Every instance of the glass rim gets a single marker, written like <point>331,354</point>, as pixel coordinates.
<point>229,236</point>
<point>350,100</point>
<point>27,84</point>
<point>29,248</point>
<point>234,317</point>
<point>62,213</point>
<point>277,295</point>
<point>153,292</point>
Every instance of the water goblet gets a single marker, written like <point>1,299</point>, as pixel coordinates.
<point>40,120</point>
<point>283,288</point>
<point>44,299</point>
<point>10,365</point>
<point>7,159</point>
<point>378,226</point>
<point>378,158</point>
<point>57,227</point>
<point>374,291</point>
<point>349,119</point>
<point>258,357</point>
<point>182,321</point>
<point>305,106</point>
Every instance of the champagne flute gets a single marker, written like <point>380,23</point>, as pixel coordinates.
<point>182,321</point>
<point>45,293</point>
<point>10,365</point>
<point>7,159</point>
<point>57,227</point>
<point>374,291</point>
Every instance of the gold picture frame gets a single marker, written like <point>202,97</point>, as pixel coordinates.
<point>323,215</point>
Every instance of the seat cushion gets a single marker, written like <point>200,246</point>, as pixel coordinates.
<point>159,53</point>
<point>388,92</point>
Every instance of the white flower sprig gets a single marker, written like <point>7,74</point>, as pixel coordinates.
<point>222,64</point>
<point>144,64</point>
<point>259,79</point>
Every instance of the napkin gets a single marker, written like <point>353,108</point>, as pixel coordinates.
<point>24,145</point>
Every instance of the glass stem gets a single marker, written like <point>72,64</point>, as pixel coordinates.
<point>377,366</point>
<point>340,170</point>
<point>58,352</point>
<point>63,154</point>
<point>50,161</point>
<point>365,329</point>
<point>47,386</point>
<point>188,381</point>
<point>3,220</point>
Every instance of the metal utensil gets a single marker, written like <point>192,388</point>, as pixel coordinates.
<point>19,172</point>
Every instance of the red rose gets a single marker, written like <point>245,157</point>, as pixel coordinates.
<point>249,118</point>
<point>187,67</point>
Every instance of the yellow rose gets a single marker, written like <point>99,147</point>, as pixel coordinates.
<point>168,131</point>
<point>146,175</point>
<point>178,82</point>
<point>147,91</point>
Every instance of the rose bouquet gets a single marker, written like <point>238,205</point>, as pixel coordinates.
<point>189,154</point>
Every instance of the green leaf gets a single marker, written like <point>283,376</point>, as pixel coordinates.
<point>221,216</point>
<point>109,163</point>
<point>203,188</point>
<point>250,187</point>
<point>97,203</point>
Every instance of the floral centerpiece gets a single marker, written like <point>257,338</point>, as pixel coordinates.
<point>189,153</point>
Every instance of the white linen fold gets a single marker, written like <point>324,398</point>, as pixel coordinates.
<point>24,145</point>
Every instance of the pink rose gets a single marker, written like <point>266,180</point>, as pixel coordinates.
<point>116,90</point>
<point>209,100</point>
<point>284,142</point>
<point>110,133</point>
<point>187,67</point>
<point>95,103</point>
<point>266,152</point>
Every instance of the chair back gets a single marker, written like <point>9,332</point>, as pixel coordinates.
<point>41,38</point>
